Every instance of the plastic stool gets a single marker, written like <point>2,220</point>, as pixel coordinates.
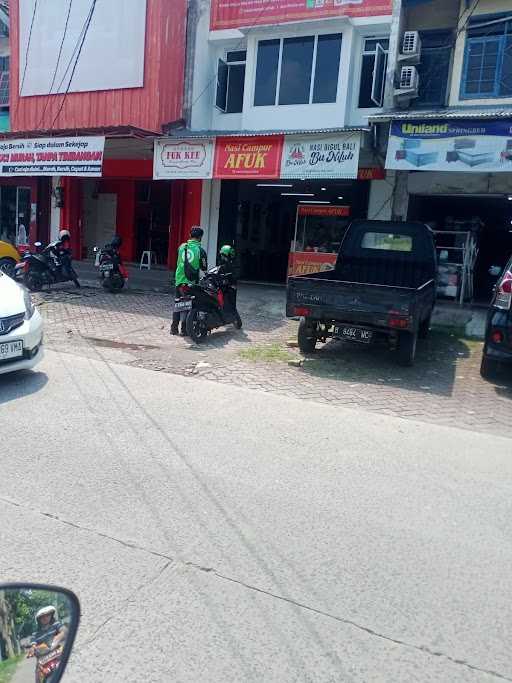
<point>147,258</point>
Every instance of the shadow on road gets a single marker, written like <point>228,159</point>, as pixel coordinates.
<point>434,371</point>
<point>19,384</point>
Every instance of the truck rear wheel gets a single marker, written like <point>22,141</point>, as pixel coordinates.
<point>424,328</point>
<point>307,336</point>
<point>407,348</point>
<point>488,367</point>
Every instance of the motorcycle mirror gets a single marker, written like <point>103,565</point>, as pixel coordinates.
<point>38,244</point>
<point>495,271</point>
<point>38,625</point>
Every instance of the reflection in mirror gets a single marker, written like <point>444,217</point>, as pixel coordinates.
<point>37,628</point>
<point>495,271</point>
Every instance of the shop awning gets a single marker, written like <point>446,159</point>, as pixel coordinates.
<point>452,113</point>
<point>204,134</point>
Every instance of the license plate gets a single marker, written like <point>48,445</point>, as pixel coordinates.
<point>106,266</point>
<point>183,305</point>
<point>10,350</point>
<point>356,334</point>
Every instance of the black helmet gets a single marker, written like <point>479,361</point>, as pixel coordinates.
<point>196,233</point>
<point>117,241</point>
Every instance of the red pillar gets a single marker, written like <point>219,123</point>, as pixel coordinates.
<point>125,218</point>
<point>185,212</point>
<point>71,214</point>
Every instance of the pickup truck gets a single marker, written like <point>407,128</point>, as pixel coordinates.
<point>382,288</point>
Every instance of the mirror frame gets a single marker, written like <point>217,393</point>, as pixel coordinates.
<point>75,615</point>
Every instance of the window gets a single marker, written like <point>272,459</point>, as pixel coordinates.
<point>385,242</point>
<point>373,73</point>
<point>488,58</point>
<point>230,82</point>
<point>301,70</point>
<point>434,68</point>
<point>4,81</point>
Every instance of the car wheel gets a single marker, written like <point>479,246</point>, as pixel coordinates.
<point>7,266</point>
<point>407,348</point>
<point>307,336</point>
<point>488,367</point>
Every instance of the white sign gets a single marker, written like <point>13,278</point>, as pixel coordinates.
<point>191,158</point>
<point>330,156</point>
<point>52,157</point>
<point>81,46</point>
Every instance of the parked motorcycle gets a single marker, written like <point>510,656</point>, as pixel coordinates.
<point>113,273</point>
<point>210,304</point>
<point>43,267</point>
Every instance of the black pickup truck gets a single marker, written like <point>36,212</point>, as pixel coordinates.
<point>382,288</point>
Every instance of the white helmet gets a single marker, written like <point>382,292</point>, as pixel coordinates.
<point>63,234</point>
<point>49,609</point>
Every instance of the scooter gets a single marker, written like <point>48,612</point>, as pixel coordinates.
<point>48,661</point>
<point>210,304</point>
<point>41,268</point>
<point>113,274</point>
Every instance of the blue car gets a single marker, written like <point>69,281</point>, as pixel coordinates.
<point>498,333</point>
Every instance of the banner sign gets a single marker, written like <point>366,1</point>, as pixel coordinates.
<point>52,157</point>
<point>238,13</point>
<point>303,263</point>
<point>183,159</point>
<point>439,145</point>
<point>321,157</point>
<point>317,210</point>
<point>248,157</point>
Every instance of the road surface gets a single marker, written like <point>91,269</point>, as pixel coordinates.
<point>218,534</point>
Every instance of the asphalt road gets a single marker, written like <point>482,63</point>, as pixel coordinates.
<point>218,534</point>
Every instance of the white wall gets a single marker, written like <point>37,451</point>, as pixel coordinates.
<point>54,211</point>
<point>210,46</point>
<point>380,202</point>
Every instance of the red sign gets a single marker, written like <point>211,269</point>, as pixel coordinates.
<point>304,262</point>
<point>248,157</point>
<point>316,210</point>
<point>238,13</point>
<point>377,173</point>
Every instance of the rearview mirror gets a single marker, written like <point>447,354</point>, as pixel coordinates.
<point>38,625</point>
<point>495,271</point>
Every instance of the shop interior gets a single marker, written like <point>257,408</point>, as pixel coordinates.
<point>472,234</point>
<point>15,209</point>
<point>259,219</point>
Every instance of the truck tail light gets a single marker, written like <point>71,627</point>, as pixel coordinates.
<point>301,311</point>
<point>398,323</point>
<point>504,292</point>
<point>497,337</point>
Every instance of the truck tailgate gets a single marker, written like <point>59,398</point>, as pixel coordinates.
<point>350,301</point>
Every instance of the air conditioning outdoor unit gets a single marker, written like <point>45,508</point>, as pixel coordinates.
<point>409,79</point>
<point>411,45</point>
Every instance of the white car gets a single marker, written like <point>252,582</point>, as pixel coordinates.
<point>21,328</point>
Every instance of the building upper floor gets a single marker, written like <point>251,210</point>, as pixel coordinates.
<point>454,53</point>
<point>279,67</point>
<point>96,63</point>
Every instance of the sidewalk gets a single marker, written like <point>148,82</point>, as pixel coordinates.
<point>158,279</point>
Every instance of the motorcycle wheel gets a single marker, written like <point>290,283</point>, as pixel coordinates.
<point>238,322</point>
<point>117,283</point>
<point>7,266</point>
<point>74,278</point>
<point>197,328</point>
<point>34,282</point>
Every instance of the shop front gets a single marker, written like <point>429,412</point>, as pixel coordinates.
<point>460,184</point>
<point>283,201</point>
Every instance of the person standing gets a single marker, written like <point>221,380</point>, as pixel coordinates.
<point>191,261</point>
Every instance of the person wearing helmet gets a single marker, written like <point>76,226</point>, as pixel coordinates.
<point>228,268</point>
<point>190,262</point>
<point>50,632</point>
<point>60,252</point>
<point>116,243</point>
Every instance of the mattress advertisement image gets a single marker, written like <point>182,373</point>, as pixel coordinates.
<point>440,145</point>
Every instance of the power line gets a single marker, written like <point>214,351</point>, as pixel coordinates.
<point>57,64</point>
<point>85,31</point>
<point>26,61</point>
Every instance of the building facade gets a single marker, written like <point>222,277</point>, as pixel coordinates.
<point>277,101</point>
<point>447,133</point>
<point>104,77</point>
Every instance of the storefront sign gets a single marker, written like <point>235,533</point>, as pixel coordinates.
<point>440,145</point>
<point>52,157</point>
<point>303,263</point>
<point>315,210</point>
<point>248,157</point>
<point>237,13</point>
<point>184,159</point>
<point>321,157</point>
<point>376,173</point>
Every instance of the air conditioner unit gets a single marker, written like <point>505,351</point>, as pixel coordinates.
<point>411,44</point>
<point>409,79</point>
